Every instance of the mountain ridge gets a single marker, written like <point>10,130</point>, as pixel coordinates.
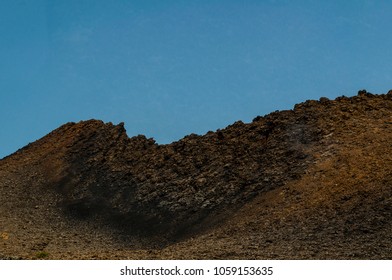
<point>163,201</point>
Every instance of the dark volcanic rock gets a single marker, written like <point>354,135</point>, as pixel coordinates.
<point>167,190</point>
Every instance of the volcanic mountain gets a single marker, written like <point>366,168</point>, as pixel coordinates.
<point>314,182</point>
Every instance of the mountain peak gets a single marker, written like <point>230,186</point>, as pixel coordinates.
<point>316,175</point>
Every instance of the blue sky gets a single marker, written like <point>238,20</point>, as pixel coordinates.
<point>171,68</point>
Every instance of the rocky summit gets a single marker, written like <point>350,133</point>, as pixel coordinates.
<point>314,182</point>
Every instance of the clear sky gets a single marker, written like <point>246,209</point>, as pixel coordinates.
<point>171,68</point>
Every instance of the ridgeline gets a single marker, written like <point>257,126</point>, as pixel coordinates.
<point>314,182</point>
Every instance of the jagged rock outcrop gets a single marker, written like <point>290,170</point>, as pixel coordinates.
<point>93,176</point>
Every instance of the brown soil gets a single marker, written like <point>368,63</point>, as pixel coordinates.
<point>314,182</point>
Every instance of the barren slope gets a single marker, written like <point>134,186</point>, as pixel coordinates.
<point>313,182</point>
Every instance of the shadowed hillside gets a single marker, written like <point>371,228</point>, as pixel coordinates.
<point>312,182</point>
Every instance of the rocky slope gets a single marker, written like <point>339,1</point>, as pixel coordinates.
<point>312,182</point>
